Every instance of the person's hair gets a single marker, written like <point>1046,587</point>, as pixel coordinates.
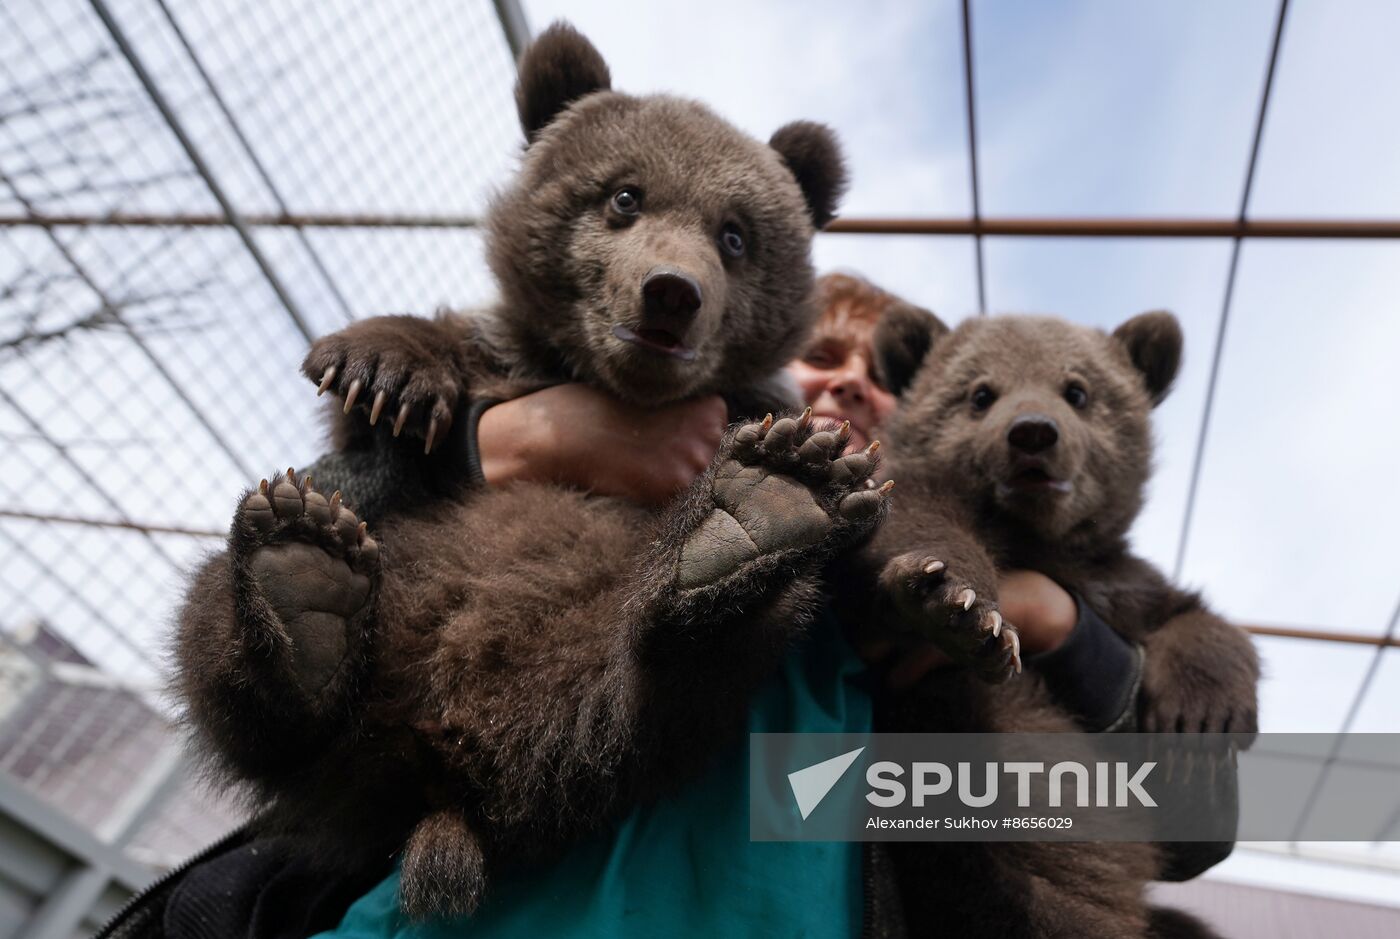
<point>851,307</point>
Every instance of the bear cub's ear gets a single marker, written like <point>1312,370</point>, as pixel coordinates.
<point>557,69</point>
<point>1153,342</point>
<point>902,340</point>
<point>812,154</point>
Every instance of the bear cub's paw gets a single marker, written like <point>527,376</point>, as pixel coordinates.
<point>404,368</point>
<point>314,564</point>
<point>1201,696</point>
<point>783,487</point>
<point>942,607</point>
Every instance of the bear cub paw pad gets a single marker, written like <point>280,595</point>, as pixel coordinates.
<point>313,561</point>
<point>784,486</point>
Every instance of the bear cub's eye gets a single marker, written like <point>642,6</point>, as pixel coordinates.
<point>983,397</point>
<point>1076,395</point>
<point>731,240</point>
<point>627,201</point>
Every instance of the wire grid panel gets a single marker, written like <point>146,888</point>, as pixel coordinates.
<point>149,374</point>
<point>393,108</point>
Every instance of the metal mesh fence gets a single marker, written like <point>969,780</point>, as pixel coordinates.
<point>149,369</point>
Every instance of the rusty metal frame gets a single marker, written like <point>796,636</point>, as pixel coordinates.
<point>978,227</point>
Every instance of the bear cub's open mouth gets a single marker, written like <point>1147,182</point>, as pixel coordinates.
<point>657,340</point>
<point>1035,479</point>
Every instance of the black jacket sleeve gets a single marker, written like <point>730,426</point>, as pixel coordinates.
<point>471,463</point>
<point>1095,673</point>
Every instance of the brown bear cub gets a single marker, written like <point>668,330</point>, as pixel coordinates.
<point>1025,442</point>
<point>493,674</point>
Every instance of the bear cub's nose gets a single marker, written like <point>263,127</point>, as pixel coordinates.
<point>670,299</point>
<point>1033,433</point>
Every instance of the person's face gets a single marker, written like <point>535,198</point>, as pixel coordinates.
<point>837,378</point>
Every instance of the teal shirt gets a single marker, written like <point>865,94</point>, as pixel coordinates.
<point>684,866</point>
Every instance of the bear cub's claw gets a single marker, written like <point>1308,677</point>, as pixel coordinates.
<point>313,562</point>
<point>405,369</point>
<point>783,486</point>
<point>944,609</point>
<point>1195,704</point>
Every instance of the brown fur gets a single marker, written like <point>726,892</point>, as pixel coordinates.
<point>954,460</point>
<point>526,663</point>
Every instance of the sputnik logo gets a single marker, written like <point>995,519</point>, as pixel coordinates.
<point>810,785</point>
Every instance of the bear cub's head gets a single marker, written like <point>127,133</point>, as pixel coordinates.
<point>1040,424</point>
<point>648,246</point>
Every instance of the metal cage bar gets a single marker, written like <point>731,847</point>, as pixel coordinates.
<point>979,227</point>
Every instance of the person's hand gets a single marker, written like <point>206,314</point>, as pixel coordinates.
<point>578,436</point>
<point>1042,611</point>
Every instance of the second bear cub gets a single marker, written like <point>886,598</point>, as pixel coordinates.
<point>1025,442</point>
